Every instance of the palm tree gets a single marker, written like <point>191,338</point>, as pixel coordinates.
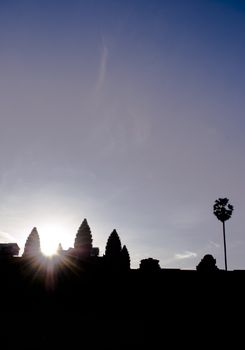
<point>223,211</point>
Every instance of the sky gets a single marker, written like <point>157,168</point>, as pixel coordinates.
<point>129,114</point>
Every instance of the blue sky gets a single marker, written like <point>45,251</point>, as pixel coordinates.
<point>128,113</point>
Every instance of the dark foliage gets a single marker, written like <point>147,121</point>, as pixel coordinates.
<point>149,265</point>
<point>222,209</point>
<point>207,264</point>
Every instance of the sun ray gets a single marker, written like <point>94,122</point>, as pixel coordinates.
<point>51,234</point>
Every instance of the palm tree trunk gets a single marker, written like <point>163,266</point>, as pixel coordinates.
<point>224,246</point>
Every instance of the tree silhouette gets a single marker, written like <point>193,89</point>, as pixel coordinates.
<point>83,240</point>
<point>223,211</point>
<point>149,265</point>
<point>32,245</point>
<point>125,258</point>
<point>207,264</point>
<point>113,246</point>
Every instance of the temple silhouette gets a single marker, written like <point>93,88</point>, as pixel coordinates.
<point>111,305</point>
<point>86,257</point>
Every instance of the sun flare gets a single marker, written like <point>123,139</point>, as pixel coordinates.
<point>51,235</point>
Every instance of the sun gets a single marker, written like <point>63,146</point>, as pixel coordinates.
<point>51,234</point>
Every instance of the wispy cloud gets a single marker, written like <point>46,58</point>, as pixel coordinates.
<point>186,255</point>
<point>178,256</point>
<point>6,237</point>
<point>216,245</point>
<point>102,68</point>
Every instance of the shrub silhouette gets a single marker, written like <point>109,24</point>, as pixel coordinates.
<point>208,263</point>
<point>149,265</point>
